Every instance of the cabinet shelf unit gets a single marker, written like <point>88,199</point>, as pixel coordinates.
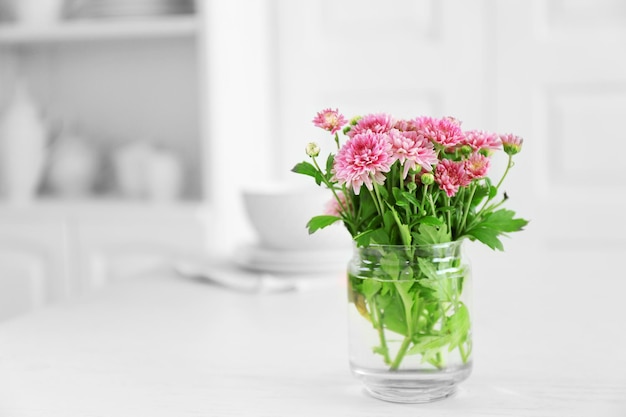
<point>116,81</point>
<point>102,29</point>
<point>111,82</point>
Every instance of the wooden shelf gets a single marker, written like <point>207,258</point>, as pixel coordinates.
<point>102,209</point>
<point>99,29</point>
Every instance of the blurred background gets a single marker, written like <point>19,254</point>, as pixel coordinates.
<point>128,129</point>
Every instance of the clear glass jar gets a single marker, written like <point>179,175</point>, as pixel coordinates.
<point>410,332</point>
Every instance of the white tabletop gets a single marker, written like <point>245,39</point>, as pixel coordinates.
<point>162,345</point>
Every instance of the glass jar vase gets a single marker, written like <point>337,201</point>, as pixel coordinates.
<point>410,333</point>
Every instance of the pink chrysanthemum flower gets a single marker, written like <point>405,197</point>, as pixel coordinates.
<point>405,125</point>
<point>511,144</point>
<point>330,120</point>
<point>412,150</point>
<point>450,175</point>
<point>477,165</point>
<point>376,123</point>
<point>336,208</point>
<point>479,139</point>
<point>363,159</point>
<point>446,131</point>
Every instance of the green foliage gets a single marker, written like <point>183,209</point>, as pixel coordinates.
<point>503,221</point>
<point>305,168</point>
<point>320,222</point>
<point>493,225</point>
<point>418,298</point>
<point>430,234</point>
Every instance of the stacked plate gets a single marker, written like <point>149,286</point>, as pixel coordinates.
<point>258,258</point>
<point>128,8</point>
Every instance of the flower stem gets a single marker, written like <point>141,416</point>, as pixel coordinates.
<point>378,199</point>
<point>432,205</point>
<point>448,215</point>
<point>424,194</point>
<point>329,185</point>
<point>381,333</point>
<point>509,165</point>
<point>466,210</point>
<point>464,355</point>
<point>401,352</point>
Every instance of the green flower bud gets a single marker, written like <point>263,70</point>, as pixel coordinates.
<point>465,150</point>
<point>511,144</point>
<point>312,149</point>
<point>411,186</point>
<point>511,149</point>
<point>427,178</point>
<point>416,170</point>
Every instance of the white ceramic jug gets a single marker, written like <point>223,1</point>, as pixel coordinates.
<point>37,12</point>
<point>23,140</point>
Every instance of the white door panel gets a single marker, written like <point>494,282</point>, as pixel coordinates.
<point>407,58</point>
<point>562,83</point>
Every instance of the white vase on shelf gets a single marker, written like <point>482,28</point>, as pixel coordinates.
<point>23,142</point>
<point>73,167</point>
<point>37,12</point>
<point>150,172</point>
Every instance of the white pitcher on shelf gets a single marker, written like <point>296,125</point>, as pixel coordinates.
<point>147,171</point>
<point>37,12</point>
<point>23,142</point>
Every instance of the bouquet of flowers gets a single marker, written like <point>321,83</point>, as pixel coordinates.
<point>410,184</point>
<point>421,176</point>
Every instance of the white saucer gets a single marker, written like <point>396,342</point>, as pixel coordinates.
<point>257,258</point>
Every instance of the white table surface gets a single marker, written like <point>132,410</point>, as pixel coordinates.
<point>162,345</point>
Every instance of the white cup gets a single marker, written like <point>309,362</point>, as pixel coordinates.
<point>280,212</point>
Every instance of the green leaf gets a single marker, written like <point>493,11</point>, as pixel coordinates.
<point>370,287</point>
<point>306,168</point>
<point>431,220</point>
<point>404,198</point>
<point>390,264</point>
<point>397,195</point>
<point>405,231</point>
<point>495,224</point>
<point>320,222</point>
<point>503,221</point>
<point>386,294</point>
<point>365,206</point>
<point>407,296</point>
<point>458,325</point>
<point>402,203</point>
<point>428,234</point>
<point>486,235</point>
<point>427,269</point>
<point>428,344</point>
<point>378,236</point>
<point>364,238</point>
<point>441,289</point>
<point>330,161</point>
<point>411,198</point>
<point>394,317</point>
<point>480,193</point>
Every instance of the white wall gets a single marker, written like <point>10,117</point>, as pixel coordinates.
<point>553,72</point>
